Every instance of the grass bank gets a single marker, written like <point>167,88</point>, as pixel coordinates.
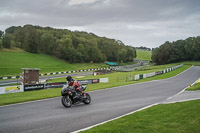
<point>13,60</point>
<point>143,55</point>
<point>175,118</point>
<point>195,63</point>
<point>49,93</point>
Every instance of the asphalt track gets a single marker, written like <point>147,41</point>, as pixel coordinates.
<point>49,116</point>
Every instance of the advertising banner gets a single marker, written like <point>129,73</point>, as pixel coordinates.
<point>95,81</point>
<point>141,76</point>
<point>11,89</point>
<point>144,76</point>
<point>85,82</point>
<point>55,85</point>
<point>103,80</point>
<point>88,81</point>
<point>2,90</point>
<point>137,77</point>
<point>159,72</point>
<point>33,87</point>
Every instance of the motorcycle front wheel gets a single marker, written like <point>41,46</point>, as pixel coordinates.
<point>87,100</point>
<point>66,101</point>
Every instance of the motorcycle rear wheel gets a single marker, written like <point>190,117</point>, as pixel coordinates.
<point>66,101</point>
<point>87,99</point>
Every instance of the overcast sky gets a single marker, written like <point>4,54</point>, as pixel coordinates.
<point>135,22</point>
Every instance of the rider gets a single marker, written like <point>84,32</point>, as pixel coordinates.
<point>76,85</point>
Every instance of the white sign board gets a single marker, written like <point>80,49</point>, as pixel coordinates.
<point>103,80</point>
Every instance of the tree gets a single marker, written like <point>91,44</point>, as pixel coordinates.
<point>32,40</point>
<point>122,55</point>
<point>181,50</point>
<point>11,29</point>
<point>130,55</point>
<point>1,46</point>
<point>47,42</point>
<point>155,55</point>
<point>1,33</point>
<point>6,41</point>
<point>164,53</point>
<point>83,55</point>
<point>71,46</point>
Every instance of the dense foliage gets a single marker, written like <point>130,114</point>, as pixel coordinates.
<point>1,34</point>
<point>65,44</point>
<point>181,50</point>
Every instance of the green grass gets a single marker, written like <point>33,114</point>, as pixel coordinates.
<point>11,63</point>
<point>195,63</point>
<point>12,98</point>
<point>194,87</point>
<point>143,55</point>
<point>175,118</point>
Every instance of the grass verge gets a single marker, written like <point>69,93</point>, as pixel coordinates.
<point>19,97</point>
<point>175,118</point>
<point>195,63</point>
<point>194,87</point>
<point>49,93</point>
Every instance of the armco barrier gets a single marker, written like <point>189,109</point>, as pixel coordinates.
<point>141,76</point>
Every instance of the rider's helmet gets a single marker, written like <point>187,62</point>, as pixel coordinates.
<point>69,78</point>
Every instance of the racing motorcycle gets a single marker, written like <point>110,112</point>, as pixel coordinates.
<point>70,96</point>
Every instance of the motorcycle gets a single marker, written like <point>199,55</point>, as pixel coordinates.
<point>70,96</point>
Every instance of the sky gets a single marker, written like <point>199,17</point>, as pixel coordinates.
<point>136,23</point>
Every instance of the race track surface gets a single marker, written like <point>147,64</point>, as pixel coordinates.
<point>49,116</point>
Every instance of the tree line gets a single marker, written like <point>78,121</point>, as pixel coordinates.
<point>75,47</point>
<point>143,48</point>
<point>177,51</point>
